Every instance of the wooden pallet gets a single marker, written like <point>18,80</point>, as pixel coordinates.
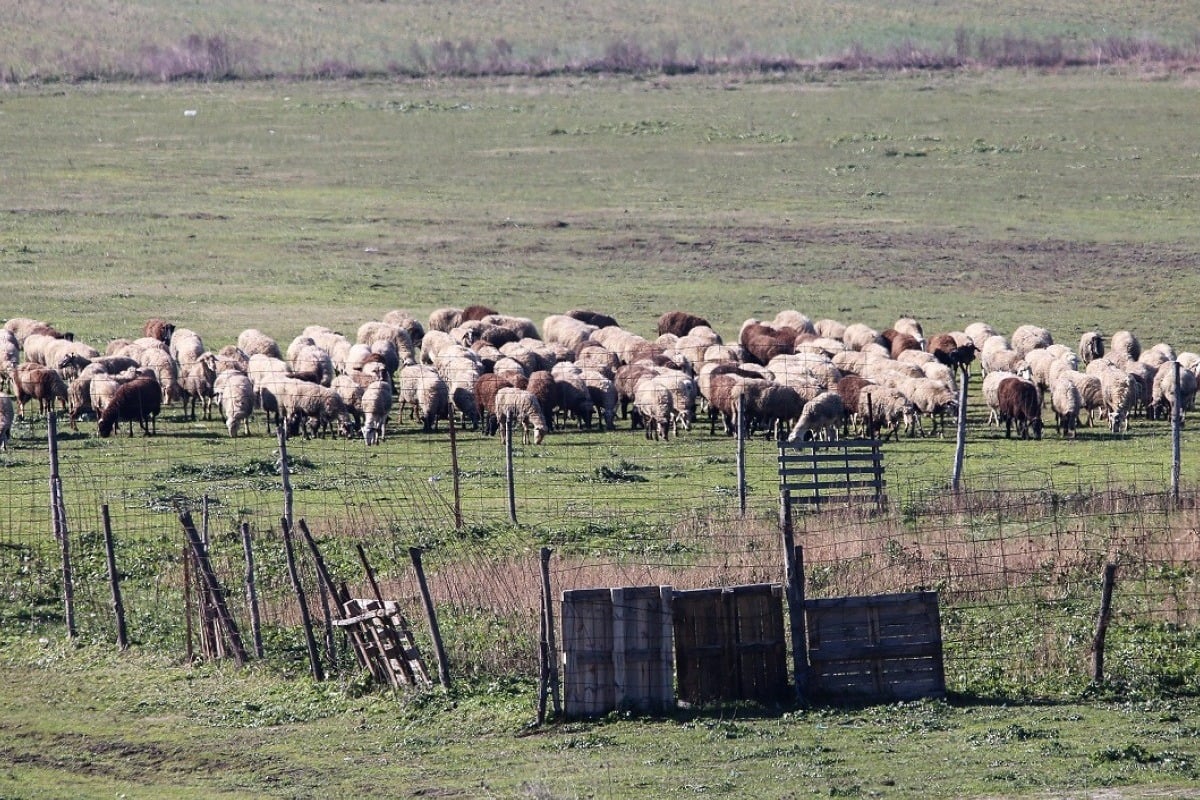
<point>384,642</point>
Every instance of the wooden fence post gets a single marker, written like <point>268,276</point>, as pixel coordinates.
<point>549,642</point>
<point>58,514</point>
<point>1176,430</point>
<point>213,588</point>
<point>314,658</point>
<point>285,473</point>
<point>960,439</point>
<point>114,579</point>
<point>508,470</point>
<point>1110,579</point>
<point>435,631</point>
<point>252,592</point>
<point>741,453</point>
<point>456,483</point>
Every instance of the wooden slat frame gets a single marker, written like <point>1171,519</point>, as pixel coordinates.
<point>817,473</point>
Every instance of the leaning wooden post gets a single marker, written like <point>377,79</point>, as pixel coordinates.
<point>314,658</point>
<point>114,579</point>
<point>741,453</point>
<point>1110,579</point>
<point>213,588</point>
<point>454,477</point>
<point>252,592</point>
<point>508,470</point>
<point>58,513</point>
<point>187,603</point>
<point>435,632</point>
<point>960,440</point>
<point>795,594</point>
<point>285,474</point>
<point>1176,431</point>
<point>550,641</point>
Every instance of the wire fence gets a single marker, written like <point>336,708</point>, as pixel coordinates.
<point>1017,559</point>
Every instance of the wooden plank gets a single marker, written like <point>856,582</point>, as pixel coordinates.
<point>871,600</point>
<point>863,461</point>
<point>587,658</point>
<point>760,647</point>
<point>847,484</point>
<point>702,645</point>
<point>640,639</point>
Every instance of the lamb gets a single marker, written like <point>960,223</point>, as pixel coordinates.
<point>519,406</point>
<point>820,419</point>
<point>235,394</point>
<point>1091,347</point>
<point>1030,337</point>
<point>376,402</point>
<point>680,323</point>
<point>1067,404</point>
<point>6,421</point>
<point>652,405</point>
<point>39,382</point>
<point>139,401</point>
<point>1020,403</point>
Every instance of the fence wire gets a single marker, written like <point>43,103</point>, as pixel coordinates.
<point>1016,558</point>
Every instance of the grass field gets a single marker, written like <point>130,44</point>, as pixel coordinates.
<point>1061,198</point>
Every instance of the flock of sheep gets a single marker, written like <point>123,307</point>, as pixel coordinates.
<point>791,376</point>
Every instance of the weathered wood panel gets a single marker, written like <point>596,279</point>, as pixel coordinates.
<point>886,647</point>
<point>642,648</point>
<point>587,659</point>
<point>846,471</point>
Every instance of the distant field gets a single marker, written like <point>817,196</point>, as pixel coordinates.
<point>153,38</point>
<point>1065,200</point>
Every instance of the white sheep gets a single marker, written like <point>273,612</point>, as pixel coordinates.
<point>820,419</point>
<point>1067,404</point>
<point>1163,390</point>
<point>653,405</point>
<point>979,332</point>
<point>424,392</point>
<point>1030,337</point>
<point>791,318</point>
<point>444,319</point>
<point>1124,347</point>
<point>991,393</point>
<point>376,403</point>
<point>9,357</point>
<point>235,395</point>
<point>1091,347</point>
<point>567,331</point>
<point>857,336</point>
<point>1091,394</point>
<point>515,406</point>
<point>252,341</point>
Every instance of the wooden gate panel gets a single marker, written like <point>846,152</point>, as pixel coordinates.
<point>759,643</point>
<point>703,638</point>
<point>884,647</point>
<point>642,646</point>
<point>587,642</point>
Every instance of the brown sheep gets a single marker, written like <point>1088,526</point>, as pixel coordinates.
<point>486,387</point>
<point>477,312</point>
<point>41,383</point>
<point>679,323</point>
<point>592,318</point>
<point>159,329</point>
<point>1019,402</point>
<point>139,401</point>
<point>543,386</point>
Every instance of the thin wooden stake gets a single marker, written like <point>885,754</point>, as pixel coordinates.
<point>508,470</point>
<point>252,591</point>
<point>1106,593</point>
<point>435,632</point>
<point>213,588</point>
<point>114,579</point>
<point>741,453</point>
<point>960,439</point>
<point>456,481</point>
<point>1176,434</point>
<point>58,513</point>
<point>285,473</point>
<point>551,642</point>
<point>187,603</point>
<point>314,658</point>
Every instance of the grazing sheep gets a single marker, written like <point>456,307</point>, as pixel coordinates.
<point>41,383</point>
<point>857,336</point>
<point>1163,392</point>
<point>425,392</point>
<point>979,332</point>
<point>932,399</point>
<point>185,346</point>
<point>444,320</point>
<point>1091,394</point>
<point>542,385</point>
<point>6,421</point>
<point>138,401</point>
<point>594,318</point>
<point>408,323</point>
<point>830,329</point>
<point>1124,348</point>
<point>652,406</point>
<point>309,407</point>
<point>762,343</point>
<point>253,341</point>
<point>946,348</point>
<point>1143,379</point>
<point>486,388</point>
<point>22,327</point>
<point>820,419</point>
<point>477,312</point>
<point>901,342</point>
<point>1067,404</point>
<point>680,323</point>
<point>371,333</point>
<point>910,327</point>
<point>1020,403</point>
<point>166,371</point>
<point>520,406</point>
<point>770,407</point>
<point>1157,355</point>
<point>235,394</point>
<point>574,399</point>
<point>9,357</point>
<point>604,396</point>
<point>1030,337</point>
<point>311,362</point>
<point>885,409</point>
<point>196,383</point>
<point>567,331</point>
<point>376,402</point>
